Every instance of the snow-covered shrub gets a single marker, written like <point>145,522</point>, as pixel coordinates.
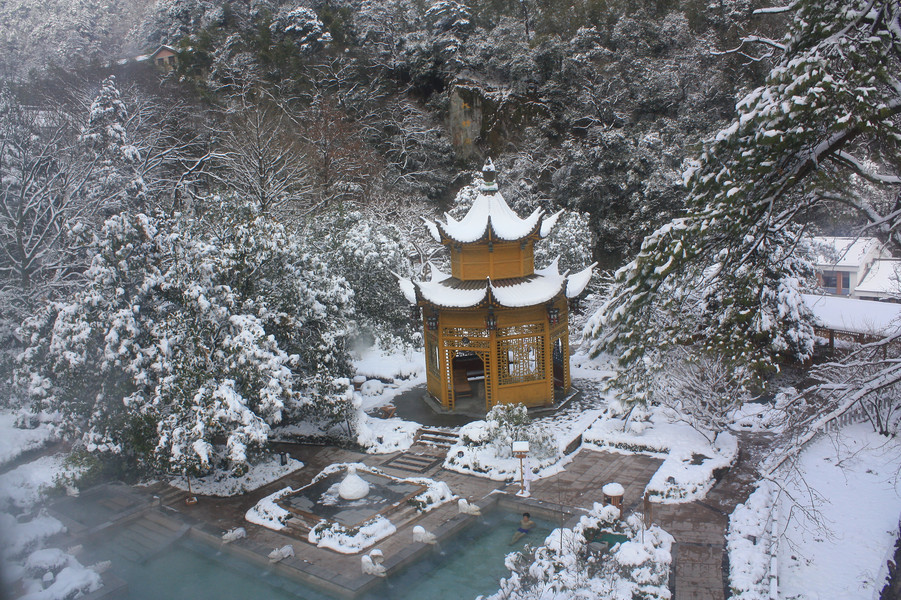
<point>566,566</point>
<point>507,423</point>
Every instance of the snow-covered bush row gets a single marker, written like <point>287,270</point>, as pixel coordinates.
<point>350,540</point>
<point>750,542</point>
<point>567,566</point>
<point>269,514</point>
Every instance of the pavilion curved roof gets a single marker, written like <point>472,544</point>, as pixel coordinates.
<point>541,287</point>
<point>490,217</point>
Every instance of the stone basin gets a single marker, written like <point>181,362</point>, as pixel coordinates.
<point>320,499</point>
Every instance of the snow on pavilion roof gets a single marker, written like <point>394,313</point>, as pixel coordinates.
<point>450,292</point>
<point>491,213</point>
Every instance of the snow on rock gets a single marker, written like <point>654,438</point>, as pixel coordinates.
<point>279,554</point>
<point>234,534</point>
<point>223,484</point>
<point>370,566</point>
<point>353,487</point>
<point>465,508</point>
<point>335,536</point>
<point>269,514</point>
<point>14,441</point>
<point>422,536</point>
<point>372,387</point>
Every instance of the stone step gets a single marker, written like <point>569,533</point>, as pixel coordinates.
<point>441,438</point>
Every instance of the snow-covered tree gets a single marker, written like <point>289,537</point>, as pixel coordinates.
<point>369,251</point>
<point>193,338</point>
<point>302,26</point>
<point>115,157</point>
<point>258,154</point>
<point>730,272</point>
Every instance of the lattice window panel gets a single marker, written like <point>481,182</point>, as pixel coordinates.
<point>520,359</point>
<point>449,369</point>
<point>489,396</point>
<point>432,351</point>
<point>521,330</point>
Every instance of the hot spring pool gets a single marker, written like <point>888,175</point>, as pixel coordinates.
<point>463,567</point>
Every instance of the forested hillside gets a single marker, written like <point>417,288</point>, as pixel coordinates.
<point>316,134</point>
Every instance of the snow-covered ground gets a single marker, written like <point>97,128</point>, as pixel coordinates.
<point>689,459</point>
<point>223,484</point>
<point>14,441</point>
<point>839,537</point>
<point>29,569</point>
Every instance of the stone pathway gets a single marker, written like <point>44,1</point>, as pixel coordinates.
<point>700,527</point>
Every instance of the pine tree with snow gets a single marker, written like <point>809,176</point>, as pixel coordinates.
<point>105,136</point>
<point>728,276</point>
<point>194,337</point>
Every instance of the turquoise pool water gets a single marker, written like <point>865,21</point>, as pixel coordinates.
<point>466,566</point>
<point>470,564</point>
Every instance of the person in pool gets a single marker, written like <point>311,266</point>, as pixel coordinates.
<point>525,526</point>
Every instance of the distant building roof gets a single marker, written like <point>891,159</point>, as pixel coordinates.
<point>849,252</point>
<point>882,279</point>
<point>854,316</point>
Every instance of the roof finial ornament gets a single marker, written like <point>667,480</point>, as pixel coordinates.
<point>489,185</point>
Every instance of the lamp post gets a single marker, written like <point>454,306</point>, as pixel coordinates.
<point>520,450</point>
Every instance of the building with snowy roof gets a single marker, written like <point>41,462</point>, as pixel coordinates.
<point>856,267</point>
<point>495,328</point>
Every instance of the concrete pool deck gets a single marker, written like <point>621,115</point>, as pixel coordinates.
<point>698,527</point>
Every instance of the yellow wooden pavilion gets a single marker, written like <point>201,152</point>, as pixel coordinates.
<point>495,326</point>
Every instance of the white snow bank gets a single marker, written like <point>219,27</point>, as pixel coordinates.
<point>22,537</point>
<point>223,484</point>
<point>15,441</point>
<point>24,486</point>
<point>384,436</point>
<point>689,460</point>
<point>751,544</point>
<point>269,514</point>
<point>840,549</point>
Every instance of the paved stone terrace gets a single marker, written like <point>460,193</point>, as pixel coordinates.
<point>698,527</point>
